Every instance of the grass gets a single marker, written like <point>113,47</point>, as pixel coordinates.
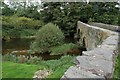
<point>117,67</point>
<point>116,75</point>
<point>62,49</point>
<point>17,70</point>
<point>58,67</point>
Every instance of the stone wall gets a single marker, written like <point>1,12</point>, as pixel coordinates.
<point>90,36</point>
<point>105,26</point>
<point>98,62</point>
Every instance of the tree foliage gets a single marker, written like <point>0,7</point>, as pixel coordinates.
<point>21,22</point>
<point>66,14</point>
<point>14,26</point>
<point>6,10</point>
<point>105,13</point>
<point>47,36</point>
<point>30,12</point>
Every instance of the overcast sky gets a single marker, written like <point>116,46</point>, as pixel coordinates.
<point>27,1</point>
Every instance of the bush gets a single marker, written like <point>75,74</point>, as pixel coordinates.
<point>34,60</point>
<point>21,59</point>
<point>13,26</point>
<point>20,22</point>
<point>9,57</point>
<point>62,49</point>
<point>48,36</point>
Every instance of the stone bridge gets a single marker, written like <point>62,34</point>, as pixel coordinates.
<point>99,59</point>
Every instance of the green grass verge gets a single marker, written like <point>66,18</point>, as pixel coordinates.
<point>17,70</point>
<point>117,67</point>
<point>116,75</point>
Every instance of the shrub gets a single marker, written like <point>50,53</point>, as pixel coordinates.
<point>13,26</point>
<point>34,60</point>
<point>9,57</point>
<point>48,36</point>
<point>20,22</point>
<point>66,59</point>
<point>62,49</point>
<point>21,59</point>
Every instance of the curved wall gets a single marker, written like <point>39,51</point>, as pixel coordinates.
<point>98,61</point>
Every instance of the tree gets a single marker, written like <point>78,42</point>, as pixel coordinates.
<point>6,10</point>
<point>21,9</point>
<point>66,15</point>
<point>47,36</point>
<point>105,12</point>
<point>15,27</point>
<point>30,12</point>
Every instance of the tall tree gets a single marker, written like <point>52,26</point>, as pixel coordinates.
<point>30,11</point>
<point>66,15</point>
<point>105,12</point>
<point>6,10</point>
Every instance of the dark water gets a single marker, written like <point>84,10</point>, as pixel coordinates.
<point>24,44</point>
<point>46,56</point>
<point>69,39</point>
<point>18,44</point>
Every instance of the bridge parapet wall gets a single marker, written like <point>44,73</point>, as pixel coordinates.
<point>99,59</point>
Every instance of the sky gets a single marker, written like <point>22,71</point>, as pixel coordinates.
<point>27,1</point>
<point>39,2</point>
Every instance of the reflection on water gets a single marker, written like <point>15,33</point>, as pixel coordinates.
<point>15,44</point>
<point>23,44</point>
<point>18,44</point>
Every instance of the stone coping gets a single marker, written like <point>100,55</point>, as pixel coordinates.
<point>98,62</point>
